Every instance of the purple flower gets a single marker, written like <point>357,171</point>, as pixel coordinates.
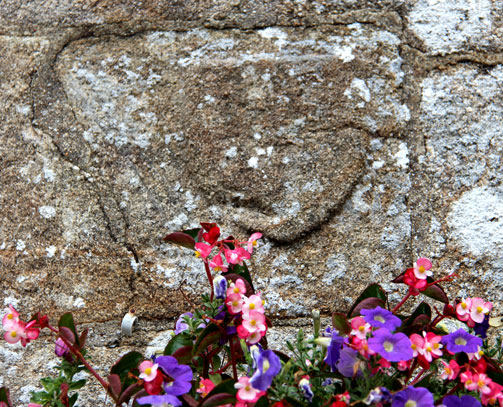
<point>481,329</point>
<point>60,348</point>
<point>413,397</point>
<point>180,383</point>
<point>378,395</point>
<point>465,401</point>
<point>267,365</point>
<point>181,325</point>
<point>305,387</point>
<point>333,351</point>
<point>349,363</point>
<point>220,287</point>
<point>392,347</point>
<point>461,341</point>
<point>381,318</point>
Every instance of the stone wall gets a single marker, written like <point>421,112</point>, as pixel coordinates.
<point>356,135</point>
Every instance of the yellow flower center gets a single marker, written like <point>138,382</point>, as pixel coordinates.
<point>388,346</point>
<point>217,268</point>
<point>436,345</point>
<point>413,346</point>
<point>236,290</point>
<point>428,349</point>
<point>480,309</point>
<point>253,322</point>
<point>252,305</point>
<point>463,305</point>
<point>13,334</point>
<point>148,371</point>
<point>379,318</point>
<point>265,366</point>
<point>410,403</point>
<point>254,243</point>
<point>248,388</point>
<point>421,269</point>
<point>460,341</point>
<point>481,353</point>
<point>448,370</point>
<point>361,328</point>
<point>263,302</point>
<point>234,303</point>
<point>198,254</point>
<point>480,383</point>
<point>468,382</point>
<point>10,316</point>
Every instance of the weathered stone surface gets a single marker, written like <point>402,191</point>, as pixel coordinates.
<point>355,135</point>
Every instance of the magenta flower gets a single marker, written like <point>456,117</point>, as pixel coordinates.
<point>421,268</point>
<point>413,396</point>
<point>461,341</point>
<point>381,318</point>
<point>392,347</point>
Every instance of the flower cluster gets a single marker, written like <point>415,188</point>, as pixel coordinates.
<point>373,355</point>
<point>17,330</point>
<point>473,310</point>
<point>252,325</point>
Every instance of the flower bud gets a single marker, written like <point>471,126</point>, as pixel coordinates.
<point>317,322</point>
<point>220,287</point>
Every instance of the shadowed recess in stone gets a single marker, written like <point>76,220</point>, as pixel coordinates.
<point>273,122</point>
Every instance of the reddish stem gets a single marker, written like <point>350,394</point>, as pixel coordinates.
<point>416,379</point>
<point>210,278</point>
<point>401,303</point>
<point>233,359</point>
<point>79,355</point>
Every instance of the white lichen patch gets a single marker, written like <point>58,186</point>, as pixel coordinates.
<point>47,211</point>
<point>336,268</point>
<point>402,155</point>
<point>158,343</point>
<point>253,162</point>
<point>476,220</point>
<point>359,88</point>
<point>448,26</point>
<point>79,303</point>
<point>20,245</point>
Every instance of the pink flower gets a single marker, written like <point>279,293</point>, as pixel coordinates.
<point>205,386</point>
<point>482,382</point>
<point>255,337</point>
<point>234,303</point>
<point>451,370</point>
<point>252,241</point>
<point>238,287</point>
<point>421,268</point>
<point>246,392</point>
<point>217,264</point>
<point>477,355</point>
<point>463,309</point>
<point>469,381</point>
<point>203,250</point>
<point>417,344</point>
<point>16,332</point>
<point>254,302</point>
<point>10,318</point>
<point>236,256</point>
<point>432,346</point>
<point>360,328</point>
<point>254,321</point>
<point>479,309</point>
<point>148,370</point>
<point>494,396</point>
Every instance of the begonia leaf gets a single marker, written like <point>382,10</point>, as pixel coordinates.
<point>4,396</point>
<point>208,226</point>
<point>437,293</point>
<point>183,354</point>
<point>189,400</point>
<point>77,385</point>
<point>83,337</point>
<point>178,341</point>
<point>180,239</point>
<point>282,356</point>
<point>126,363</point>
<point>399,279</point>
<point>293,402</point>
<point>115,383</point>
<point>367,303</point>
<point>420,317</point>
<point>129,392</point>
<point>223,393</point>
<point>67,334</point>
<point>73,399</point>
<point>67,321</point>
<point>209,336</point>
<point>340,322</point>
<point>373,292</point>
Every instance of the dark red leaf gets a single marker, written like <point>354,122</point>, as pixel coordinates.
<point>181,239</point>
<point>437,293</point>
<point>368,303</point>
<point>115,383</point>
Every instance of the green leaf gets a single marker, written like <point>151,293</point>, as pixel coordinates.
<point>126,363</point>
<point>72,399</point>
<point>210,335</point>
<point>178,341</point>
<point>77,385</point>
<point>180,239</point>
<point>375,293</point>
<point>340,322</point>
<point>67,321</point>
<point>48,384</point>
<point>4,396</point>
<point>419,318</point>
<point>183,354</point>
<point>437,293</point>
